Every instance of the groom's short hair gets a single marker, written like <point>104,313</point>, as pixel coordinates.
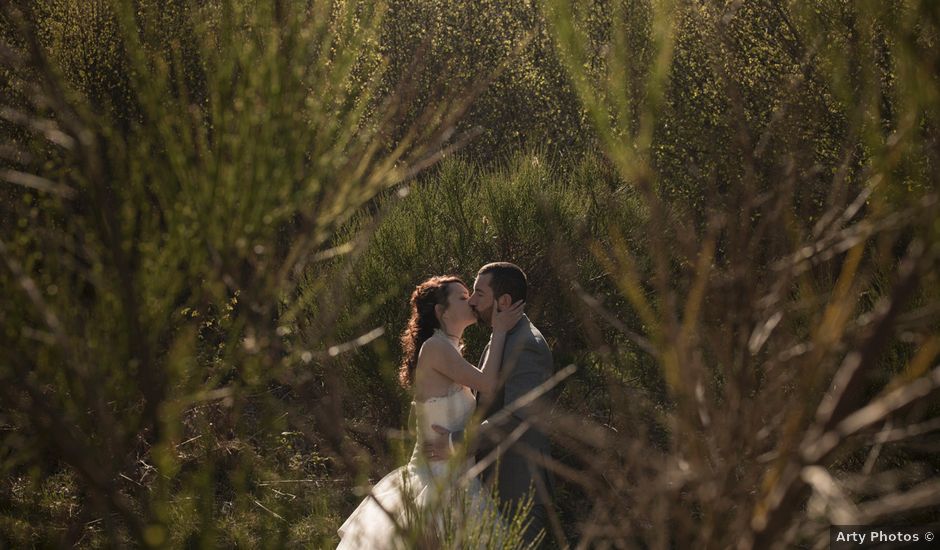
<point>506,278</point>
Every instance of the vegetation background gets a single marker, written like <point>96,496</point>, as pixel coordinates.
<point>213,212</point>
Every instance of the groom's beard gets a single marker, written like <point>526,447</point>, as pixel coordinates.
<point>485,316</point>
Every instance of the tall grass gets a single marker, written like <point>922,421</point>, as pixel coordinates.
<point>211,224</point>
<point>175,166</point>
<point>783,328</point>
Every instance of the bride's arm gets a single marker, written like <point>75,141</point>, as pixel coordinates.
<point>442,357</point>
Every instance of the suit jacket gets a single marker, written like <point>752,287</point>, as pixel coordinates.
<point>526,364</point>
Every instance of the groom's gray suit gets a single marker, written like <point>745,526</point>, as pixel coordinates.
<point>526,363</point>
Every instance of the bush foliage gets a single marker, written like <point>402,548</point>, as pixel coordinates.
<point>213,212</point>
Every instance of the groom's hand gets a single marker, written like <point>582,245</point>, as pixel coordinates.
<point>439,447</point>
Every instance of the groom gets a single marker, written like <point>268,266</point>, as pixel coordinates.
<point>527,363</point>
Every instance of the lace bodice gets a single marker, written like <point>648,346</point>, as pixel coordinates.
<point>451,411</point>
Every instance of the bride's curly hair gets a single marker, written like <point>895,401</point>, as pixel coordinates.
<point>422,322</point>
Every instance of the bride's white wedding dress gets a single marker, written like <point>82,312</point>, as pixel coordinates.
<point>421,489</point>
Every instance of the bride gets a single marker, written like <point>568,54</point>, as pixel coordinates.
<point>424,502</point>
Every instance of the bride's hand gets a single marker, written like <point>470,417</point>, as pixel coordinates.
<point>504,320</point>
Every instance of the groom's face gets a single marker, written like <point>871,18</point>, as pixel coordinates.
<point>481,301</point>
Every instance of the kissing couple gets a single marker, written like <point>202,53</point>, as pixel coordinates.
<point>436,500</point>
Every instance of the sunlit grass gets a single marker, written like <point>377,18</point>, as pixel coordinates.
<point>728,216</point>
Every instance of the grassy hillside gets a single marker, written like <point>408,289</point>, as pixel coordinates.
<point>212,214</point>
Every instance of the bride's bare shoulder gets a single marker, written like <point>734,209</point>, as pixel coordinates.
<point>434,346</point>
<point>436,350</point>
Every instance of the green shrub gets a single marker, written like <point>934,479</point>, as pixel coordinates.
<point>175,166</point>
